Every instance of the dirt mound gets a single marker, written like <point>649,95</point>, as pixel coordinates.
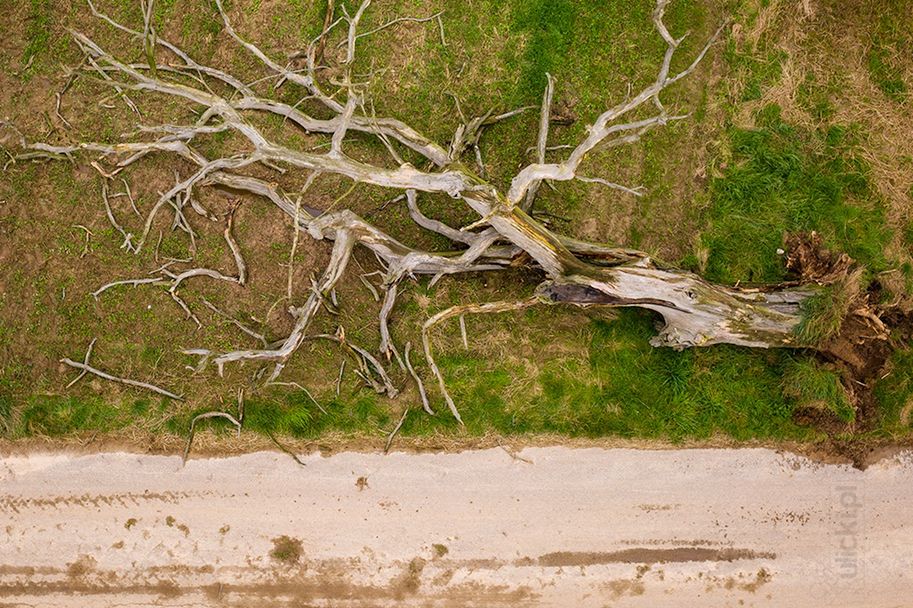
<point>863,341</point>
<point>807,257</point>
<point>869,332</point>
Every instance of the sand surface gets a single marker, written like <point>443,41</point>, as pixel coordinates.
<point>546,527</point>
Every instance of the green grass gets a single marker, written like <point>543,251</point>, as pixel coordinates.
<point>754,67</point>
<point>6,413</point>
<point>891,40</point>
<point>548,26</point>
<point>822,318</point>
<point>823,313</point>
<point>294,414</point>
<point>623,387</point>
<point>884,75</point>
<point>287,550</point>
<point>38,32</point>
<point>57,416</point>
<point>811,385</point>
<point>895,392</point>
<point>816,97</point>
<point>756,72</point>
<point>620,387</point>
<point>640,391</point>
<point>781,179</point>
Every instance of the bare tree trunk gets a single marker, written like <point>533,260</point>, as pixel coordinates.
<point>696,313</point>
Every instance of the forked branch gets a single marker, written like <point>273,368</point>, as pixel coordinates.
<point>86,368</point>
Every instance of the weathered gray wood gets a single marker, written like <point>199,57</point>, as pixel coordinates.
<point>695,312</point>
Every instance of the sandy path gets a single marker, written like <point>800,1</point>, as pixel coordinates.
<point>568,528</point>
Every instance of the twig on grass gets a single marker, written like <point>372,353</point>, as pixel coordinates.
<point>235,421</point>
<point>86,368</point>
<point>396,429</point>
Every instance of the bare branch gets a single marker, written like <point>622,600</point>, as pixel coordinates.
<point>148,33</point>
<point>85,247</point>
<point>253,334</point>
<point>513,454</point>
<point>184,187</point>
<point>128,238</point>
<point>86,368</point>
<point>131,282</point>
<point>399,20</point>
<point>578,272</point>
<point>129,196</point>
<point>638,191</point>
<point>542,143</point>
<point>604,127</point>
<point>205,416</point>
<point>120,91</point>
<point>179,278</point>
<point>364,359</point>
<point>233,246</point>
<point>440,24</point>
<point>345,118</point>
<point>85,361</point>
<point>327,21</point>
<point>386,344</point>
<point>353,28</point>
<point>459,236</point>
<point>456,311</point>
<point>342,369</point>
<point>302,389</point>
<point>57,113</point>
<point>396,429</point>
<point>342,251</point>
<point>188,62</point>
<point>369,287</point>
<point>418,381</point>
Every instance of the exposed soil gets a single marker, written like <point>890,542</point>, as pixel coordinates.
<point>650,556</point>
<point>807,258</point>
<point>860,350</point>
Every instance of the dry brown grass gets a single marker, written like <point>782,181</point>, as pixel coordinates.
<point>825,40</point>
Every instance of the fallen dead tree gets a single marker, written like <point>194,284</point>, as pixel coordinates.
<point>694,312</point>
